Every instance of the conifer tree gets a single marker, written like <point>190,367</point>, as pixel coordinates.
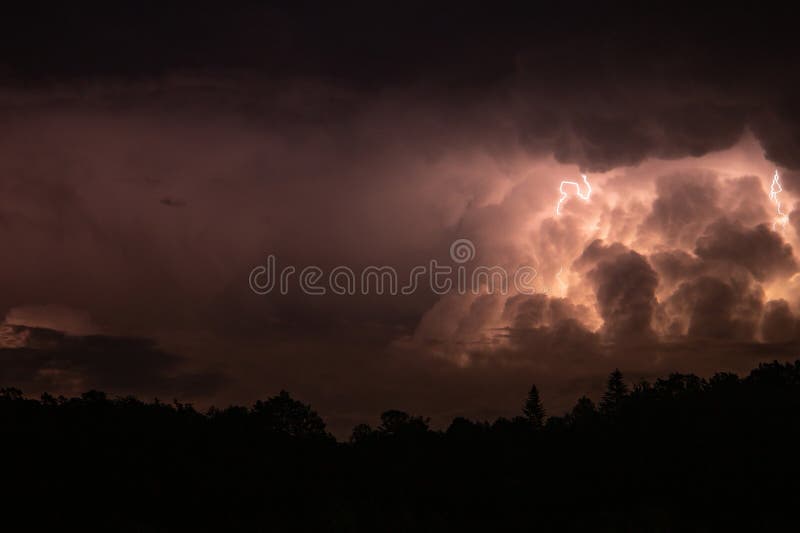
<point>615,394</point>
<point>533,408</point>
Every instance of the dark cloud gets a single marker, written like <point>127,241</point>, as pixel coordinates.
<point>760,250</point>
<point>618,133</point>
<point>594,85</point>
<point>778,324</point>
<point>710,308</point>
<point>531,311</point>
<point>778,129</point>
<point>598,251</point>
<point>50,361</point>
<point>684,204</point>
<point>561,345</point>
<point>625,288</point>
<point>676,265</point>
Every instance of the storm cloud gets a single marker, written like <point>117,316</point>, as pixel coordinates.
<point>142,179</point>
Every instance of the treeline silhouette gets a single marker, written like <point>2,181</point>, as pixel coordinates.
<point>682,453</point>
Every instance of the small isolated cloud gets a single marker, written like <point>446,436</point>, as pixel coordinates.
<point>169,201</point>
<point>54,317</point>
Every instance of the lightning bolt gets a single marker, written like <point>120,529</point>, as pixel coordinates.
<point>775,189</point>
<point>564,194</point>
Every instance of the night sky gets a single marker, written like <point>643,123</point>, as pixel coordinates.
<point>151,156</point>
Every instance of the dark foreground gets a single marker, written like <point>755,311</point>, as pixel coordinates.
<point>680,454</point>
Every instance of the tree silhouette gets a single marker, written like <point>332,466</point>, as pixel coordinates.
<point>661,453</point>
<point>394,422</point>
<point>282,414</point>
<point>10,393</point>
<point>533,408</point>
<point>615,394</point>
<point>584,412</point>
<point>361,432</point>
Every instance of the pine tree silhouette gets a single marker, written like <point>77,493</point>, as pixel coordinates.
<point>615,394</point>
<point>533,408</point>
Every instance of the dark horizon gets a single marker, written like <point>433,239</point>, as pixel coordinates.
<point>680,453</point>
